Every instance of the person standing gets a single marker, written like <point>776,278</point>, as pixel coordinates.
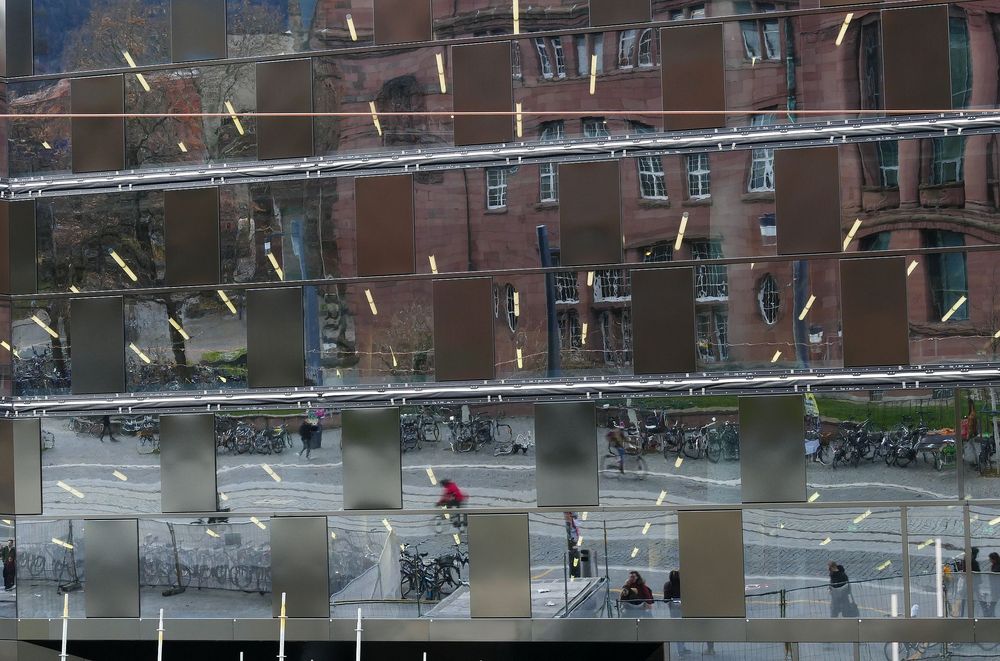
<point>672,595</point>
<point>306,431</point>
<point>840,591</point>
<point>8,555</point>
<point>106,429</point>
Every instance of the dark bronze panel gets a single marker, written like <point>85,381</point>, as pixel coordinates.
<point>300,566</point>
<point>99,142</point>
<point>112,567</point>
<point>284,87</point>
<point>191,228</point>
<point>482,81</point>
<point>5,247</point>
<point>841,3</point>
<point>807,200</point>
<point>27,466</point>
<point>17,57</point>
<point>711,558</point>
<point>372,462</point>
<point>463,329</point>
<point>23,276</point>
<point>873,302</point>
<point>499,580</point>
<point>7,486</point>
<point>97,351</point>
<point>693,53</point>
<point>384,221</point>
<point>187,463</point>
<point>663,327</point>
<point>590,213</point>
<point>275,344</point>
<point>565,463</point>
<point>402,21</point>
<point>197,30</point>
<point>771,432</point>
<point>916,62</point>
<point>616,12</point>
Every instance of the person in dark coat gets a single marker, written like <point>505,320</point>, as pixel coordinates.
<point>9,557</point>
<point>840,590</point>
<point>106,429</point>
<point>672,595</point>
<point>635,596</point>
<point>307,432</point>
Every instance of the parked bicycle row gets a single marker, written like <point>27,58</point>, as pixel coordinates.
<point>430,578</point>
<point>905,443</point>
<point>237,436</point>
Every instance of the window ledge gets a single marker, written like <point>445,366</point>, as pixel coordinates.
<point>546,206</point>
<point>648,203</point>
<point>698,202</point>
<point>761,196</point>
<point>496,212</point>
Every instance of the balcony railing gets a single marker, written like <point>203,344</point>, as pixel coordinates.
<point>612,285</point>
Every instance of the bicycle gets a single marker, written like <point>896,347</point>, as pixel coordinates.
<point>724,444</point>
<point>149,442</point>
<point>428,430</point>
<point>409,434</point>
<point>522,443</point>
<point>696,440</point>
<point>628,464</point>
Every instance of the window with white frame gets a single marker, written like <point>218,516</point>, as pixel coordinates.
<point>496,188</point>
<point>661,251</point>
<point>595,127</point>
<point>768,299</point>
<point>612,285</point>
<point>761,177</point>
<point>698,176</point>
<point>544,61</point>
<point>646,48</point>
<point>761,37</point>
<point>560,56</point>
<point>512,310</point>
<point>570,329</point>
<point>548,173</point>
<point>946,162</point>
<point>652,180</point>
<point>697,11</point>
<point>888,163</point>
<point>626,48</point>
<point>711,280</point>
<point>616,336</point>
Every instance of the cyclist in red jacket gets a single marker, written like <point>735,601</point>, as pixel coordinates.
<point>452,497</point>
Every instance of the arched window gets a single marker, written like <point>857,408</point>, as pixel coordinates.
<point>768,299</point>
<point>512,307</point>
<point>646,48</point>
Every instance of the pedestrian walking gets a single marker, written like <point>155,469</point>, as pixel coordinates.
<point>992,592</point>
<point>106,429</point>
<point>306,432</point>
<point>841,601</point>
<point>672,595</point>
<point>451,498</point>
<point>635,597</point>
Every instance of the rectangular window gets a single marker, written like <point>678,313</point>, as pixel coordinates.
<point>712,281</point>
<point>946,164</point>
<point>698,176</point>
<point>652,181</point>
<point>544,62</point>
<point>586,46</point>
<point>876,241</point>
<point>888,163</point>
<point>961,62</point>
<point>946,274</point>
<point>557,50</point>
<point>612,285</point>
<point>595,127</point>
<point>871,66</point>
<point>496,188</point>
<point>761,38</point>
<point>722,333</point>
<point>761,161</point>
<point>646,48</point>
<point>661,251</point>
<point>565,283</point>
<point>697,11</point>
<point>626,48</point>
<point>548,173</point>
<point>570,331</point>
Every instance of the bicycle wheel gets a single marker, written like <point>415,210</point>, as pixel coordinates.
<point>824,454</point>
<point>638,467</point>
<point>241,577</point>
<point>904,457</point>
<point>938,461</point>
<point>714,450</point>
<point>691,448</point>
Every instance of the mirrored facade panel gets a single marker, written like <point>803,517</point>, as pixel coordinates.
<point>282,461</point>
<point>379,332</point>
<point>6,356</point>
<point>936,544</point>
<point>593,565</point>
<point>100,464</point>
<point>952,304</point>
<point>100,241</point>
<point>400,566</point>
<point>986,559</point>
<point>479,455</point>
<point>272,27</point>
<point>159,141</point>
<point>185,342</point>
<point>842,563</point>
<point>979,421</point>
<point>39,144</point>
<point>99,34</point>
<point>52,559</point>
<point>41,347</point>
<point>668,450</point>
<point>9,556</point>
<point>881,445</point>
<point>215,568</point>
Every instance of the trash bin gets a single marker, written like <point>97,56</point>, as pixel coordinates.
<point>586,569</point>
